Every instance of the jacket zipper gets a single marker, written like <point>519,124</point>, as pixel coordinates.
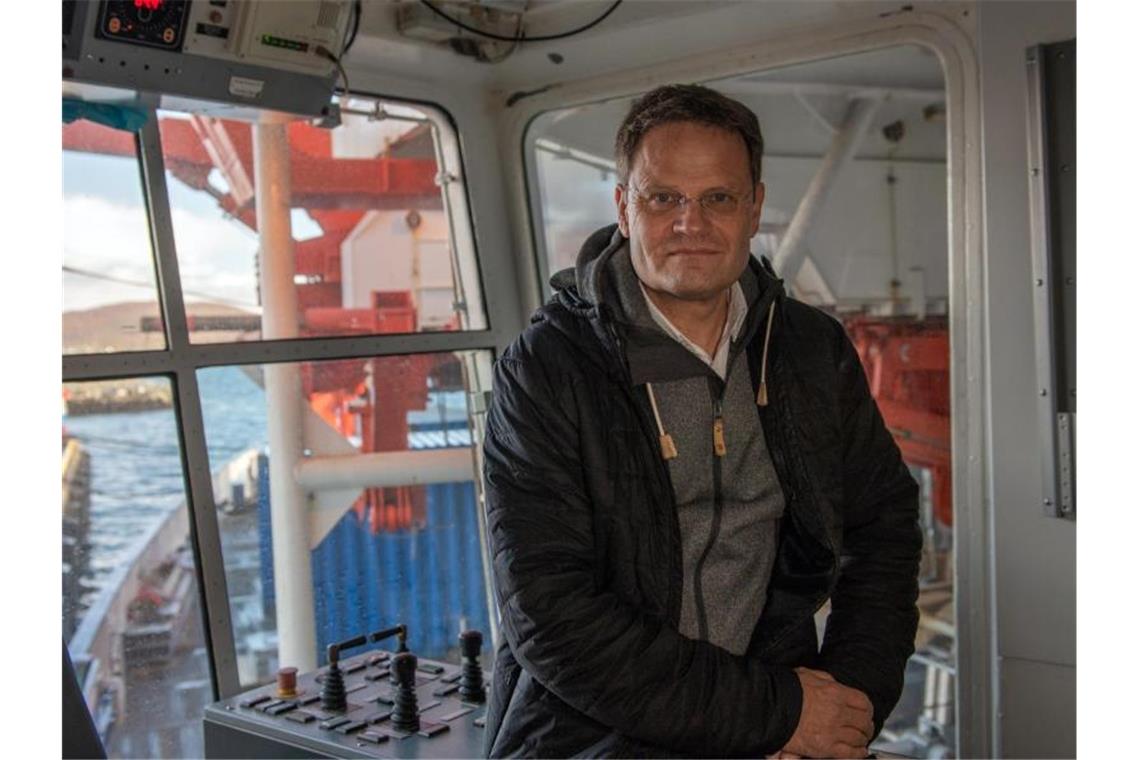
<point>719,450</point>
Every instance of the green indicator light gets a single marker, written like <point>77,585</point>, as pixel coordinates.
<point>271,41</point>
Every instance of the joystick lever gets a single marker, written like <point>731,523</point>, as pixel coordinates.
<point>471,676</point>
<point>333,694</point>
<point>405,711</point>
<point>400,632</point>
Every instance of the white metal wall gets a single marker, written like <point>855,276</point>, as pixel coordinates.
<point>1034,562</point>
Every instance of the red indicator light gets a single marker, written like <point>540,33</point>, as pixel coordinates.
<point>150,5</point>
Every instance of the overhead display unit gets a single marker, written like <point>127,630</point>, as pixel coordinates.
<point>281,56</point>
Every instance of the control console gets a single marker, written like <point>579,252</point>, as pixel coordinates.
<point>387,704</point>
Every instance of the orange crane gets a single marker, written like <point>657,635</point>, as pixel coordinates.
<point>907,364</point>
<point>369,398</point>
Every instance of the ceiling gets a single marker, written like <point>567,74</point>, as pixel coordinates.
<point>637,33</point>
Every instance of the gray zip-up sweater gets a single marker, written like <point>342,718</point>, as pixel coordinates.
<point>728,506</point>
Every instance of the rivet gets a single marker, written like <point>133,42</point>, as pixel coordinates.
<point>1044,392</point>
<point>1040,282</point>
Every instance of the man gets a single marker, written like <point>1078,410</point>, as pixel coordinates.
<point>682,465</point>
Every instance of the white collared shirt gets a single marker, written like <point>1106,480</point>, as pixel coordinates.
<point>737,311</point>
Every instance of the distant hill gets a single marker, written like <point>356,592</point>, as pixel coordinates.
<point>116,327</point>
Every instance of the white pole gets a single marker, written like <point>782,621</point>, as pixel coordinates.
<point>387,468</point>
<point>790,257</point>
<point>292,572</point>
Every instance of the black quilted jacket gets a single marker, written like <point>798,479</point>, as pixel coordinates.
<point>585,542</point>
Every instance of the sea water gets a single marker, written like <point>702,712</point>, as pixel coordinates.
<point>136,462</point>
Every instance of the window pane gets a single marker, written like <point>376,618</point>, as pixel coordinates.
<point>577,198</point>
<point>130,598</point>
<point>110,299</point>
<point>384,555</point>
<point>372,250</point>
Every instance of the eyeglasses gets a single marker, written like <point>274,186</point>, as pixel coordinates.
<point>665,202</point>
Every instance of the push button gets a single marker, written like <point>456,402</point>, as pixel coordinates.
<point>429,730</point>
<point>372,736</point>
<point>255,700</point>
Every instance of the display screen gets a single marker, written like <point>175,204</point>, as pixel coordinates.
<point>154,23</point>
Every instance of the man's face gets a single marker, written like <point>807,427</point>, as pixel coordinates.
<point>689,252</point>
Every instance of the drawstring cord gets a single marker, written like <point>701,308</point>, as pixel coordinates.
<point>762,392</point>
<point>668,448</point>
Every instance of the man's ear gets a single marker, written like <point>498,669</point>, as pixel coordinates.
<point>757,205</point>
<point>621,200</point>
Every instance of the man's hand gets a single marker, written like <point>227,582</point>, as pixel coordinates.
<point>835,721</point>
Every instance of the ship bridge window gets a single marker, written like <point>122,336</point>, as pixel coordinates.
<point>367,235</point>
<point>319,357</point>
<point>383,502</point>
<point>131,617</point>
<point>109,288</point>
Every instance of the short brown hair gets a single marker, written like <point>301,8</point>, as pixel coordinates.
<point>687,102</point>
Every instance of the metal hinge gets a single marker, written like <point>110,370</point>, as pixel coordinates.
<point>479,401</point>
<point>1066,423</point>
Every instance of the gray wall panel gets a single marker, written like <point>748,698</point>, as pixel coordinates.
<point>1035,555</point>
<point>1042,690</point>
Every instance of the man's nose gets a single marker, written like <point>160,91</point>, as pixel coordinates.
<point>690,216</point>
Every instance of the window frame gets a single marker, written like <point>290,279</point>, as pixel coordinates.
<point>974,550</point>
<point>180,361</point>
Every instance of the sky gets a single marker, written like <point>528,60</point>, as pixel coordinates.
<point>105,232</point>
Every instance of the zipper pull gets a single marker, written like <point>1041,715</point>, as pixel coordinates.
<point>719,447</point>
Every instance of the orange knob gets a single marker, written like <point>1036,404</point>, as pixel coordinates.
<point>287,682</point>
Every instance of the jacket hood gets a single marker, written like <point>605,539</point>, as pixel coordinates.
<point>587,284</point>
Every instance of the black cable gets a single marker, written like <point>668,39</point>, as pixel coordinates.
<point>357,9</point>
<point>325,53</point>
<point>523,37</point>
